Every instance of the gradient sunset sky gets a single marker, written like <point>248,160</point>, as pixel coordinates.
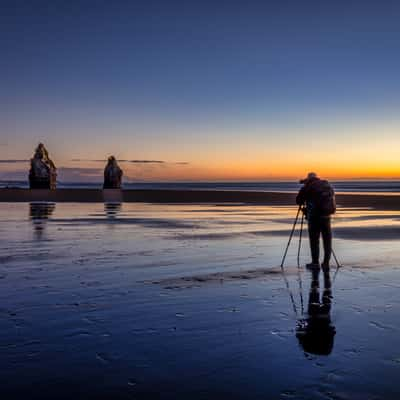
<point>211,90</point>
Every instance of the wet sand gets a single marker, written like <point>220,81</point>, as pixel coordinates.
<point>172,301</point>
<point>346,200</point>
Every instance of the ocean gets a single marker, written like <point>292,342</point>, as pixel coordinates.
<point>348,186</point>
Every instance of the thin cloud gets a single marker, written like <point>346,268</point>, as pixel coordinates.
<point>133,161</point>
<point>144,161</point>
<point>128,161</point>
<point>12,161</point>
<point>83,160</point>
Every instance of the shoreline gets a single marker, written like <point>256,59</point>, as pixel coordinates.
<point>345,200</point>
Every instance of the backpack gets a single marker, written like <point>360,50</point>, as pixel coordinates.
<point>323,198</point>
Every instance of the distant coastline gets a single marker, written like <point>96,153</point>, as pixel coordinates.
<point>340,186</point>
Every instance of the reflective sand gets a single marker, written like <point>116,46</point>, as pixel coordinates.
<point>136,300</point>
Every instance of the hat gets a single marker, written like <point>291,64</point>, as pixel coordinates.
<point>310,176</point>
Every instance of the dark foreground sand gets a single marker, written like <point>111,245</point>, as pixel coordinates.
<point>376,201</point>
<point>187,301</point>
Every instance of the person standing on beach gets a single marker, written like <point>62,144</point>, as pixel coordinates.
<point>318,197</point>
<point>112,174</point>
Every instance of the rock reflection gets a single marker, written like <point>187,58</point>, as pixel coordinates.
<point>112,210</point>
<point>316,332</point>
<point>39,214</point>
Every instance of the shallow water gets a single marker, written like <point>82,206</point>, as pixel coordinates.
<point>179,301</point>
<point>382,186</point>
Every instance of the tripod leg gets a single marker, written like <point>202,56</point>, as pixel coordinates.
<point>301,232</point>
<point>290,237</point>
<point>336,260</point>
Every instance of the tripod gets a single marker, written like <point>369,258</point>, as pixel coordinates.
<point>300,236</point>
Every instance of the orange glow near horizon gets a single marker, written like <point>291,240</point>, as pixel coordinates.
<point>345,150</point>
<point>292,167</point>
<point>268,172</point>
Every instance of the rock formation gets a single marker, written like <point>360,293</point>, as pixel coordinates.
<point>112,174</point>
<point>43,172</point>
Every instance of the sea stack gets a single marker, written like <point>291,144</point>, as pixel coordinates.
<point>112,174</point>
<point>43,172</point>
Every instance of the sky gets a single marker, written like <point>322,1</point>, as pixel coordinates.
<point>210,90</point>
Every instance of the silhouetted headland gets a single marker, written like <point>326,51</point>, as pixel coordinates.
<point>112,174</point>
<point>43,172</point>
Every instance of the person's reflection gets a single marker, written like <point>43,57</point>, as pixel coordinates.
<point>316,332</point>
<point>112,209</point>
<point>39,214</point>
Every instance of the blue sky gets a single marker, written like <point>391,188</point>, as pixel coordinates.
<point>229,87</point>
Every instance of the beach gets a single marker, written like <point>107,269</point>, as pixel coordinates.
<point>152,155</point>
<point>175,301</point>
<point>378,201</point>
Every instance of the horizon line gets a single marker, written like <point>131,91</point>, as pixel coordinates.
<point>272,180</point>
